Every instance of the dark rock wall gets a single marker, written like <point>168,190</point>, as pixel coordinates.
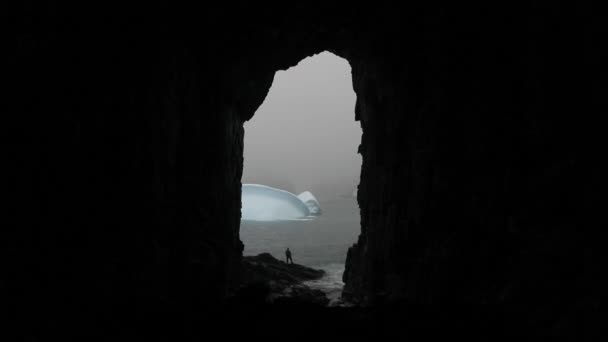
<point>125,171</point>
<point>475,150</point>
<point>477,185</point>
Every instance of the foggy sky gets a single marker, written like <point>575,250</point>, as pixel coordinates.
<point>304,135</point>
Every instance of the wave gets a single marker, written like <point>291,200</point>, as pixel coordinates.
<point>331,283</point>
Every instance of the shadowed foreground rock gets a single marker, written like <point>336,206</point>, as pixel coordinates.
<point>275,281</point>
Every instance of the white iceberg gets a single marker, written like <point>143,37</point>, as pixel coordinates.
<point>263,203</point>
<point>311,202</point>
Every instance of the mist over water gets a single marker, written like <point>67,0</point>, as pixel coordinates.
<point>320,243</point>
<point>304,137</point>
<point>317,242</point>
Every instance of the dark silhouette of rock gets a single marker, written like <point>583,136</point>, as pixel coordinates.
<point>282,281</point>
<point>265,266</point>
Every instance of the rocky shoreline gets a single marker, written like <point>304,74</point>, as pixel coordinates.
<point>267,279</point>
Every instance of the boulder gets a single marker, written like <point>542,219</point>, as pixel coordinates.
<point>278,281</point>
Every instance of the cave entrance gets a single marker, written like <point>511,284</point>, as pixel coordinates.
<point>304,138</point>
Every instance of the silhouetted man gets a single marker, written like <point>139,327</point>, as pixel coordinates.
<point>288,256</point>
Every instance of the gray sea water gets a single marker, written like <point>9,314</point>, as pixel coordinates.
<point>320,243</point>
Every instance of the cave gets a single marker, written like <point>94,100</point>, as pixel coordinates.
<point>480,185</point>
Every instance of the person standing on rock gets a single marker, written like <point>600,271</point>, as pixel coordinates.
<point>288,256</point>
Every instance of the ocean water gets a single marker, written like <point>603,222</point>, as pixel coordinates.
<point>320,243</point>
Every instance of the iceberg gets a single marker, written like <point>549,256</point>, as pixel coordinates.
<point>263,203</point>
<point>311,202</point>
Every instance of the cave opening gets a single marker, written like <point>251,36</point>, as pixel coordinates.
<point>302,142</point>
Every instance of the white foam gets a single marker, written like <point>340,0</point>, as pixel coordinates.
<point>331,283</point>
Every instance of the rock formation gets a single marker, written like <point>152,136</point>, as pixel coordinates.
<point>481,168</point>
<point>280,282</point>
